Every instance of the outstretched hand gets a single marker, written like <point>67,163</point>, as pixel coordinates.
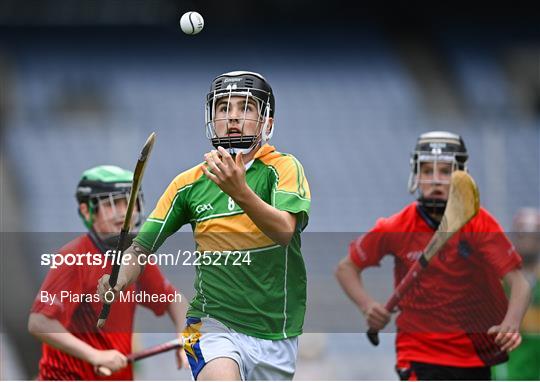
<point>228,173</point>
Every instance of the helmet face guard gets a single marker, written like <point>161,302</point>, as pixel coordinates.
<point>102,188</point>
<point>438,175</point>
<point>437,147</point>
<point>434,148</point>
<point>255,90</point>
<point>107,204</point>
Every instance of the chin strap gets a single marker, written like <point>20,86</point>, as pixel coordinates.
<point>234,151</point>
<point>88,223</point>
<point>266,136</point>
<point>105,242</point>
<point>432,206</point>
<point>97,240</point>
<point>235,145</point>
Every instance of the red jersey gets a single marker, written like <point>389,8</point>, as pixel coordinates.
<point>445,315</point>
<point>80,318</point>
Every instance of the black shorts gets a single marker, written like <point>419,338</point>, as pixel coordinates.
<point>430,372</point>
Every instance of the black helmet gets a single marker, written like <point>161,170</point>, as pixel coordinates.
<point>437,146</point>
<point>243,84</point>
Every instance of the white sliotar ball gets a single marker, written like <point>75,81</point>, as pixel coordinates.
<point>191,23</point>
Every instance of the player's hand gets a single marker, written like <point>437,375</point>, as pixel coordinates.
<point>104,288</point>
<point>377,316</point>
<point>506,336</point>
<point>181,358</point>
<point>228,173</point>
<point>108,361</point>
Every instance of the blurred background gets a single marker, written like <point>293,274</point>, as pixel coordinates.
<point>83,83</point>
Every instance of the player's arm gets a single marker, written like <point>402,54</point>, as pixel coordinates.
<point>349,277</point>
<point>53,333</point>
<point>499,252</point>
<point>177,312</point>
<point>229,175</point>
<point>507,333</point>
<point>150,237</point>
<point>129,271</point>
<point>276,224</point>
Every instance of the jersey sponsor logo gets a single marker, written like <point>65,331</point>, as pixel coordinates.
<point>511,250</point>
<point>359,250</point>
<point>203,207</point>
<point>414,255</point>
<point>464,249</point>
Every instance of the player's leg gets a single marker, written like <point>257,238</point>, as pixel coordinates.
<point>267,360</point>
<point>211,350</point>
<point>220,369</point>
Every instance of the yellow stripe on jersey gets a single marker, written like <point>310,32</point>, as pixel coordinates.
<point>236,232</point>
<point>179,183</point>
<point>290,172</point>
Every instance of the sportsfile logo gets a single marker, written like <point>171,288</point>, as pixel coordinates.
<point>111,257</point>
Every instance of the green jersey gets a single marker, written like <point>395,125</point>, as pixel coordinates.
<point>243,278</point>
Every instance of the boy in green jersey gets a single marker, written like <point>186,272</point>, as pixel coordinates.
<point>247,205</point>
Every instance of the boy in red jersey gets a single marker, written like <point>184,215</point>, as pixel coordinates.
<point>65,311</point>
<point>524,364</point>
<point>455,321</point>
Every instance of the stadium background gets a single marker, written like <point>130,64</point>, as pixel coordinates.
<point>84,83</point>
